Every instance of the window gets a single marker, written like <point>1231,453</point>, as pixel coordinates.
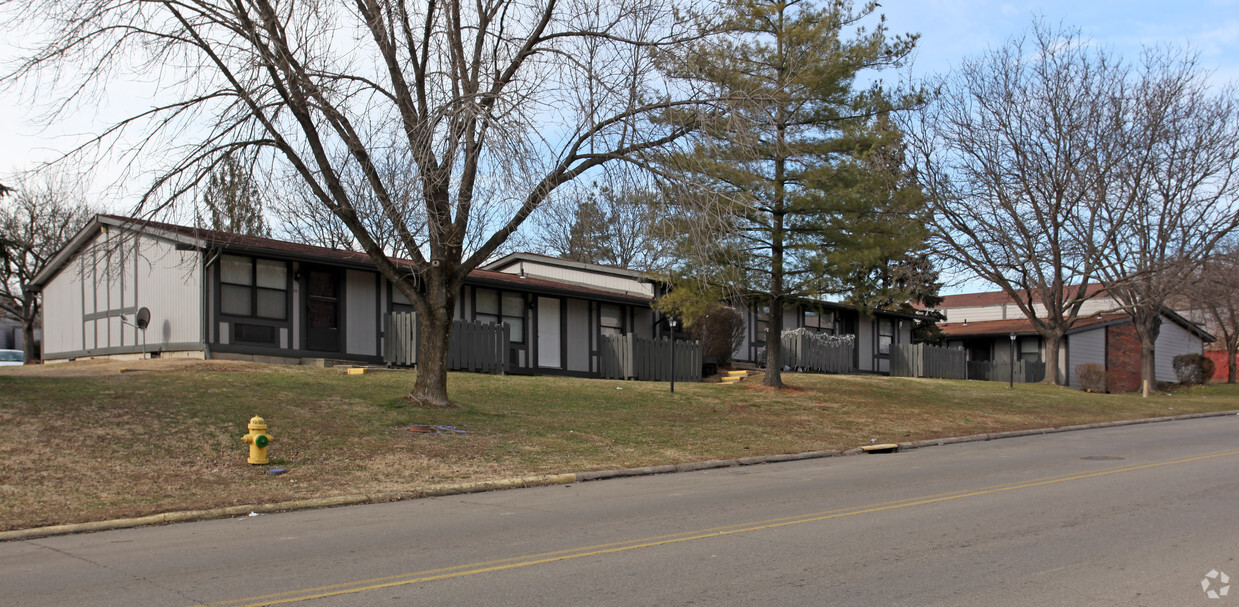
<point>821,322</point>
<point>611,319</point>
<point>256,288</point>
<point>886,335</point>
<point>1030,349</point>
<point>507,308</point>
<point>763,323</point>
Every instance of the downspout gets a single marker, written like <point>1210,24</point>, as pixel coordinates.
<point>207,258</point>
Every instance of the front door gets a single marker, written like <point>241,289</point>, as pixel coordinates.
<point>322,317</point>
<point>549,353</point>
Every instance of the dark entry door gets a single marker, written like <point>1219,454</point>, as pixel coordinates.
<point>322,317</point>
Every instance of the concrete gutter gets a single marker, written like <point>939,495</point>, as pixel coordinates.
<point>538,481</point>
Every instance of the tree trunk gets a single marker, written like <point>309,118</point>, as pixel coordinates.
<point>435,310</point>
<point>434,337</point>
<point>1053,342</point>
<point>1231,367</point>
<point>30,311</point>
<point>774,346</point>
<point>1148,325</point>
<point>1148,368</point>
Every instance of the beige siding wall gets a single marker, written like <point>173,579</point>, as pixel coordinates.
<point>62,311</point>
<point>606,281</point>
<point>973,314</point>
<point>1007,311</point>
<point>169,283</point>
<point>115,274</point>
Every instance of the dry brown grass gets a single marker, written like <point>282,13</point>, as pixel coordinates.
<point>90,441</point>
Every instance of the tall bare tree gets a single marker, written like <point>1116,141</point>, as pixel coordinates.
<point>1213,298</point>
<point>38,218</point>
<point>1012,151</point>
<point>492,104</point>
<point>1175,195</point>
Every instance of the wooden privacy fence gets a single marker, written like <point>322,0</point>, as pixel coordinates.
<point>473,346</point>
<point>924,360</point>
<point>1026,372</point>
<point>644,359</point>
<point>803,352</point>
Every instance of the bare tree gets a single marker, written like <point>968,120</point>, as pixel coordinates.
<point>1213,297</point>
<point>617,224</point>
<point>36,220</point>
<point>1011,152</point>
<point>492,104</point>
<point>1174,198</point>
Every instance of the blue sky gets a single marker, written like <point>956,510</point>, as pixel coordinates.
<point>950,30</point>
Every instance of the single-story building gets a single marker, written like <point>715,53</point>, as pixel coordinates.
<point>214,294</point>
<point>983,323</point>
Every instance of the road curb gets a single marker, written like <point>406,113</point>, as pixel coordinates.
<point>935,442</point>
<point>537,481</point>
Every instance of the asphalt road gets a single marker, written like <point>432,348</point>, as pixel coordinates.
<point>1136,515</point>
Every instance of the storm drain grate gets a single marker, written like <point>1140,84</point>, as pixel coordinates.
<point>1101,458</point>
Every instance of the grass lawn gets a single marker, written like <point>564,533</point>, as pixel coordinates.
<point>91,441</point>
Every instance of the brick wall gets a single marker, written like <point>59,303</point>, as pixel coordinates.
<point>1122,358</point>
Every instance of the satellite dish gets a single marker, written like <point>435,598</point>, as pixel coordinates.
<point>142,318</point>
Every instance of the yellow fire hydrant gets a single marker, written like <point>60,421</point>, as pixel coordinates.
<point>258,440</point>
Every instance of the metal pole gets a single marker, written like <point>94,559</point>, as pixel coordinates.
<point>671,342</point>
<point>1011,368</point>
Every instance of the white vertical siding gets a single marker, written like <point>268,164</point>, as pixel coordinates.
<point>1172,340</point>
<point>62,311</point>
<point>115,273</point>
<point>169,283</point>
<point>1085,347</point>
<point>361,329</point>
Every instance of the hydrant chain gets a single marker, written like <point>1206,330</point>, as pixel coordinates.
<point>258,440</point>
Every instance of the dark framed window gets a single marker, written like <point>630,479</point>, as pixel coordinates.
<point>253,288</point>
<point>821,322</point>
<point>762,325</point>
<point>1030,349</point>
<point>611,319</point>
<point>886,335</point>
<point>503,307</point>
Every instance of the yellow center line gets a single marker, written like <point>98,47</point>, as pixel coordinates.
<point>431,575</point>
